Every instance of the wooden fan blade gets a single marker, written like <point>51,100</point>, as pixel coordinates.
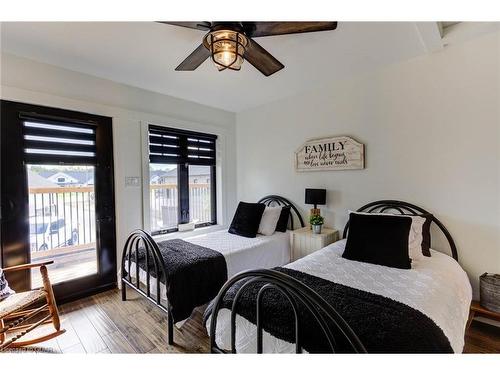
<point>195,59</point>
<point>201,25</point>
<point>257,29</point>
<point>261,59</point>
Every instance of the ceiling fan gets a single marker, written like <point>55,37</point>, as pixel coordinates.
<point>228,44</point>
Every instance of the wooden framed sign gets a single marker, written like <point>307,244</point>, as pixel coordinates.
<point>330,154</point>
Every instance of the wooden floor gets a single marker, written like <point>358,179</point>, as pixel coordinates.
<point>105,324</point>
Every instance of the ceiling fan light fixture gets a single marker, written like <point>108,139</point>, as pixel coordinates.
<point>227,48</point>
<point>229,44</point>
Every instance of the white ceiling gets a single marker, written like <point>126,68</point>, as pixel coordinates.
<point>144,54</point>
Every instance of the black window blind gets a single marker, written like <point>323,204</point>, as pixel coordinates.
<point>174,146</point>
<point>59,142</point>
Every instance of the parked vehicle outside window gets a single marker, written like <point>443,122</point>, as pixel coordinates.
<point>51,233</point>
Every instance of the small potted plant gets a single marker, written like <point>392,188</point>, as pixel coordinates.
<point>316,222</point>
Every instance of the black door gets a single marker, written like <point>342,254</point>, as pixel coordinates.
<point>58,198</point>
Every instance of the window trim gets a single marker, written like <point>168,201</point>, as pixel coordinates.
<point>182,180</point>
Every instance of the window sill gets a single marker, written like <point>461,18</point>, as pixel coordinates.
<point>189,233</point>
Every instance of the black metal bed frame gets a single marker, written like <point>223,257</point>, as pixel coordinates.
<point>296,292</point>
<point>139,239</point>
<point>136,240</point>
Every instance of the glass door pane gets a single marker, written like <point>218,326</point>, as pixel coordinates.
<point>62,223</point>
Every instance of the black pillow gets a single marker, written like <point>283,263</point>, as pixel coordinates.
<point>379,239</point>
<point>246,219</point>
<point>283,220</point>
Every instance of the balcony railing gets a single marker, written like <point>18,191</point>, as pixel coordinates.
<point>62,227</point>
<point>164,205</point>
<point>62,219</point>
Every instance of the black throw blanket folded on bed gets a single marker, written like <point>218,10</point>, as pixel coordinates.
<point>195,274</point>
<point>382,324</point>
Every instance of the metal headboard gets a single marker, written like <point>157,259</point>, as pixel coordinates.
<point>406,208</point>
<point>272,200</point>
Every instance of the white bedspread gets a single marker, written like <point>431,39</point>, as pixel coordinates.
<point>242,253</point>
<point>436,286</point>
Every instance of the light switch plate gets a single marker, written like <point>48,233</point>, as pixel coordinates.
<point>132,181</point>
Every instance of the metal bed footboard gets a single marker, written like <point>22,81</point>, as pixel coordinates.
<point>295,292</point>
<point>139,239</point>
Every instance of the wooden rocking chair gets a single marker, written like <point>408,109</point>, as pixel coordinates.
<point>15,311</point>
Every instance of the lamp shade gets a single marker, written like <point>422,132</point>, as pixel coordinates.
<point>315,196</point>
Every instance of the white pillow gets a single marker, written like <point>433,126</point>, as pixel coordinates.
<point>415,236</point>
<point>269,220</point>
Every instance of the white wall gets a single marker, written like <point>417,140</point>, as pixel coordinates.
<point>28,81</point>
<point>431,127</point>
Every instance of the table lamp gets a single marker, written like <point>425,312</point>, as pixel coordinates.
<point>315,197</point>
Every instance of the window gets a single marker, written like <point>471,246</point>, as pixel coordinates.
<point>179,163</point>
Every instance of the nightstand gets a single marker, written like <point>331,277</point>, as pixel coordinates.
<point>305,242</point>
<point>477,310</point>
